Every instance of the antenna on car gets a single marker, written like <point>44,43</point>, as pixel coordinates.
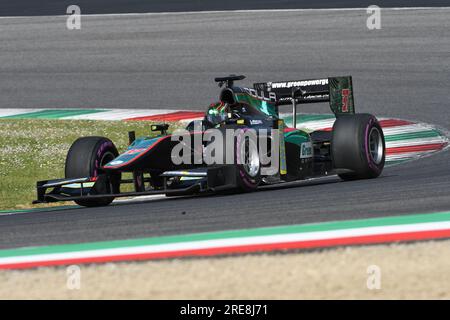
<point>295,92</point>
<point>228,81</point>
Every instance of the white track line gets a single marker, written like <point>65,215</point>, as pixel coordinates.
<point>140,199</point>
<point>119,114</point>
<point>417,127</point>
<point>185,121</point>
<point>106,114</point>
<point>408,155</point>
<point>235,11</point>
<point>231,242</point>
<point>13,112</point>
<point>415,142</point>
<point>316,125</point>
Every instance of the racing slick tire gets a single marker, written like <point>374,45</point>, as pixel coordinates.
<point>248,162</point>
<point>85,158</point>
<point>246,158</point>
<point>358,146</point>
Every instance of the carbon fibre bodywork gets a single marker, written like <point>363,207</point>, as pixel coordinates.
<point>301,156</point>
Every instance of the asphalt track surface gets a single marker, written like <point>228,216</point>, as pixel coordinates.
<point>167,61</point>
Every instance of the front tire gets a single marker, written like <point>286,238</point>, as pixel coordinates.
<point>244,148</point>
<point>85,158</point>
<point>247,161</point>
<point>358,146</point>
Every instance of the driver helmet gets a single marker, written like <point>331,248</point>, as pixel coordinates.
<point>217,113</point>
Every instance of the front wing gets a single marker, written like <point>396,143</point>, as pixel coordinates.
<point>210,179</point>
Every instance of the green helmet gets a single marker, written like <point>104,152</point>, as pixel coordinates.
<point>217,113</point>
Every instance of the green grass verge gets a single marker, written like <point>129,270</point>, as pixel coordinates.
<point>32,150</point>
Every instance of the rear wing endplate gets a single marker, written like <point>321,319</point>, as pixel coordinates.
<point>338,91</point>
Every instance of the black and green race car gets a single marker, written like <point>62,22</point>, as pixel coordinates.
<point>353,149</point>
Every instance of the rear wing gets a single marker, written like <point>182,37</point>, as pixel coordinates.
<point>338,91</point>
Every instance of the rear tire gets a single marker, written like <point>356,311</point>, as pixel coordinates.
<point>358,145</point>
<point>85,158</point>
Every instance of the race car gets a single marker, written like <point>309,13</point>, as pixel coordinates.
<point>353,149</point>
